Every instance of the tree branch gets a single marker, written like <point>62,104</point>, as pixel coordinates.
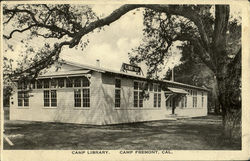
<point>184,11</point>
<point>36,67</point>
<point>37,23</point>
<point>16,30</point>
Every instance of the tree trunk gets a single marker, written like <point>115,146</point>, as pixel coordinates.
<point>229,94</point>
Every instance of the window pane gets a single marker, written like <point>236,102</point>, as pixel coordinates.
<point>151,87</point>
<point>140,86</point>
<point>141,99</point>
<point>46,83</point>
<point>46,98</point>
<point>135,98</point>
<point>85,82</point>
<point>77,82</point>
<point>159,100</point>
<point>159,88</point>
<point>61,82</point>
<point>26,99</point>
<point>155,88</point>
<point>77,96</point>
<point>155,99</point>
<point>117,97</point>
<point>53,98</point>
<point>117,83</point>
<point>86,98</point>
<point>69,83</point>
<point>136,85</point>
<point>39,84</point>
<point>53,83</point>
<point>20,98</point>
<point>26,102</point>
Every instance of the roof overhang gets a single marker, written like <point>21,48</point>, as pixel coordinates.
<point>61,74</point>
<point>176,90</point>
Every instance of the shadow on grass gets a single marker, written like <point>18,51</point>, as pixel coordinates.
<point>188,134</point>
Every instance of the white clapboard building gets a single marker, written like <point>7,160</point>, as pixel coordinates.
<point>78,93</point>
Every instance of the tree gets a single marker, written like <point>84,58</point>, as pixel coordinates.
<point>63,22</point>
<point>162,31</point>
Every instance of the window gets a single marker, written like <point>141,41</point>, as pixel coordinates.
<point>61,82</point>
<point>85,98</point>
<point>155,99</point>
<point>53,98</point>
<point>50,98</point>
<point>85,82</point>
<point>46,98</point>
<point>81,92</point>
<point>22,85</point>
<point>53,83</point>
<point>20,98</point>
<point>151,87</point>
<point>135,98</point>
<point>117,92</point>
<point>26,98</point>
<point>77,82</point>
<point>184,101</point>
<point>39,84</point>
<point>157,95</point>
<point>77,95</point>
<point>194,98</point>
<point>46,83</point>
<point>22,94</point>
<point>69,83</point>
<point>138,94</point>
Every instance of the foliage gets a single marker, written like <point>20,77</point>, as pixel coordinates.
<point>57,24</point>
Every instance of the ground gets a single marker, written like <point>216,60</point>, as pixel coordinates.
<point>202,133</point>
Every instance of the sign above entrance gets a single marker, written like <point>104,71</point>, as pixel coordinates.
<point>128,67</point>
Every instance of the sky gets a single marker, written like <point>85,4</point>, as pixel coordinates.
<point>111,45</point>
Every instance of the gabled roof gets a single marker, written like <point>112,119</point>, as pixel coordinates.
<point>106,70</point>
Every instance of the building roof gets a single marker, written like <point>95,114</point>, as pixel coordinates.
<point>87,68</point>
<point>64,73</point>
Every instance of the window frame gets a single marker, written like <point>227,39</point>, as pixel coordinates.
<point>49,98</point>
<point>81,100</point>
<point>194,98</point>
<point>23,95</point>
<point>118,90</point>
<point>156,93</point>
<point>139,94</point>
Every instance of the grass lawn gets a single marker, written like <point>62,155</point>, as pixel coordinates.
<point>188,134</point>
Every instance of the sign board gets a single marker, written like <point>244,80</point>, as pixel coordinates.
<point>128,67</point>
